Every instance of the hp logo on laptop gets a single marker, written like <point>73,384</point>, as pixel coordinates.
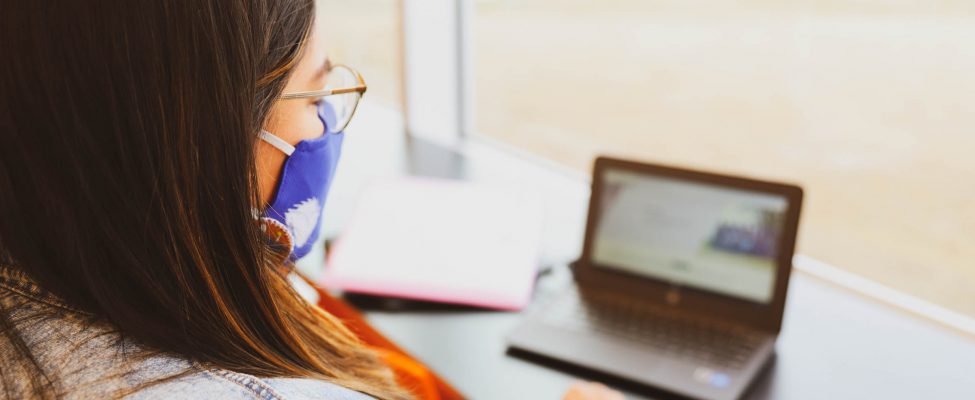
<point>672,297</point>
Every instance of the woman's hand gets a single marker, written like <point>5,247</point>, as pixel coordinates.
<point>591,391</point>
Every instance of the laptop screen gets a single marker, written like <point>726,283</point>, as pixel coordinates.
<point>718,239</point>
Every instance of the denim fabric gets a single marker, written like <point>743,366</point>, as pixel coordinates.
<point>89,360</point>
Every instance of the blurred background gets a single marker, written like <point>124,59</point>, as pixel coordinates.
<point>869,105</point>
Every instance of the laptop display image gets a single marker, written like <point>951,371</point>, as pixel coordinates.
<point>719,239</point>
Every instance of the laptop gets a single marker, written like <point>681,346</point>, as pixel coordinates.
<point>681,284</point>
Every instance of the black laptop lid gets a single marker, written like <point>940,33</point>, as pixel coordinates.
<point>709,243</point>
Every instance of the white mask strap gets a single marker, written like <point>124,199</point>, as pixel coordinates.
<point>277,142</point>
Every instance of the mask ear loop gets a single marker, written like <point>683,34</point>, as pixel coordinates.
<point>277,142</point>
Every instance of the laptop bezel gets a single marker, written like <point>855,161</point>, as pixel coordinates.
<point>766,317</point>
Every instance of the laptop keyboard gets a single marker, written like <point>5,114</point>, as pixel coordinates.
<point>663,328</point>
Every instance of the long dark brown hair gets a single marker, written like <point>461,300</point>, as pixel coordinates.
<point>128,178</point>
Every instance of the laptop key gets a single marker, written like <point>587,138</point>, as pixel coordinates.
<point>699,339</point>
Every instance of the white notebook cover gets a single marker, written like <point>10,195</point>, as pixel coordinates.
<point>441,240</point>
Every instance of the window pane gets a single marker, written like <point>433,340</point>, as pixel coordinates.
<point>869,105</point>
<point>365,34</point>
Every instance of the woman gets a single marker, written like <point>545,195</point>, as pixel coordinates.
<point>154,181</point>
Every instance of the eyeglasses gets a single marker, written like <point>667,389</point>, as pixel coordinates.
<point>340,96</point>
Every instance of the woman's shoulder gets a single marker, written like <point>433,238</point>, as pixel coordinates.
<point>89,360</point>
<point>223,384</point>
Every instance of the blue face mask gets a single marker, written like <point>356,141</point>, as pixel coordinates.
<point>305,179</point>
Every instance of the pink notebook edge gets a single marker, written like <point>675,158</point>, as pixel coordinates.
<point>333,280</point>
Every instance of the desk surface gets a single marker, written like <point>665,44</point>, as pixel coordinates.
<point>834,343</point>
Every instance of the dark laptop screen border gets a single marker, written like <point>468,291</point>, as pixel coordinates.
<point>764,316</point>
